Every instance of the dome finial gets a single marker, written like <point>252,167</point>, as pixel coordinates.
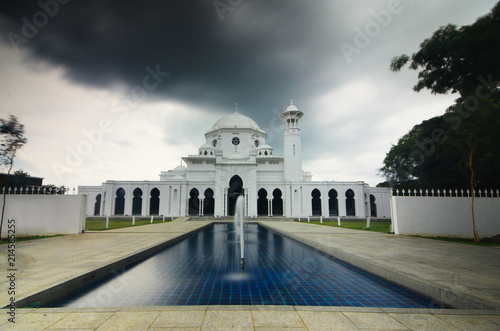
<point>236,107</point>
<point>291,102</point>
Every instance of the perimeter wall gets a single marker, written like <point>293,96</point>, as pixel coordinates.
<point>445,216</point>
<point>44,214</point>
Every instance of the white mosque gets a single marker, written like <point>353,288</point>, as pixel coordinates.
<point>235,160</point>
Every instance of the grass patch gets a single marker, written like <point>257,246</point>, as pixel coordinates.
<point>460,240</point>
<point>98,225</point>
<point>26,238</point>
<point>384,227</point>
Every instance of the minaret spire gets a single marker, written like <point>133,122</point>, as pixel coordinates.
<point>236,107</point>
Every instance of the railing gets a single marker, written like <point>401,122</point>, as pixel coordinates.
<point>38,190</point>
<point>446,193</point>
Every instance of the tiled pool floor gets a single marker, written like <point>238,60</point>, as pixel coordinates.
<point>203,269</point>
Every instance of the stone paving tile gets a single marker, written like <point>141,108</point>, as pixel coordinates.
<point>130,321</point>
<point>179,319</point>
<point>374,321</point>
<point>81,321</point>
<point>423,322</point>
<point>469,322</point>
<point>316,320</point>
<point>276,318</point>
<point>34,321</point>
<point>228,320</point>
<point>494,319</point>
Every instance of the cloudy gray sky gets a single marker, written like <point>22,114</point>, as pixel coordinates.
<point>124,89</point>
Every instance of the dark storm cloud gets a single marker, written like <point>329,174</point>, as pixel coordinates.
<point>259,54</point>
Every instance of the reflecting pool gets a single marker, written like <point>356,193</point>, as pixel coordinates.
<point>203,269</point>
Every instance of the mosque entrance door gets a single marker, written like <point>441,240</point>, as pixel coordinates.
<point>234,191</point>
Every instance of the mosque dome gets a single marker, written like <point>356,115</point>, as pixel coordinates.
<point>180,168</point>
<point>235,120</point>
<point>291,107</point>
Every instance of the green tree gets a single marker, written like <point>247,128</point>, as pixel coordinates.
<point>12,139</point>
<point>465,61</point>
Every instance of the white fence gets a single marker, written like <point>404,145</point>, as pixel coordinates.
<point>38,190</point>
<point>445,213</point>
<point>44,214</point>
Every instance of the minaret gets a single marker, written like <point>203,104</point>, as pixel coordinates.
<point>291,146</point>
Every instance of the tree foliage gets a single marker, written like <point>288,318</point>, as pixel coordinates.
<point>12,139</point>
<point>444,151</point>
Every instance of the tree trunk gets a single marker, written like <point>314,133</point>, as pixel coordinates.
<point>476,236</point>
<point>5,197</point>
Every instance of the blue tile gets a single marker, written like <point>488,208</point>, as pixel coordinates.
<point>204,269</point>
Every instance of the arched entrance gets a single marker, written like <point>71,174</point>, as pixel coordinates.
<point>333,203</point>
<point>154,202</point>
<point>350,204</point>
<point>262,204</point>
<point>120,202</point>
<point>194,202</point>
<point>209,202</point>
<point>137,202</point>
<point>97,205</point>
<point>373,206</point>
<point>316,202</point>
<point>277,203</point>
<point>234,191</point>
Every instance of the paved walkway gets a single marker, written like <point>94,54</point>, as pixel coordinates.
<point>459,271</point>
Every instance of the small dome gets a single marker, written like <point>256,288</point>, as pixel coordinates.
<point>291,108</point>
<point>207,146</point>
<point>235,120</point>
<point>180,168</point>
<point>264,146</point>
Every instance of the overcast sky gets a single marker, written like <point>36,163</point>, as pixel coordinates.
<point>123,89</point>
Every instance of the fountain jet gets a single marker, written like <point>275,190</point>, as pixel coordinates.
<point>238,220</point>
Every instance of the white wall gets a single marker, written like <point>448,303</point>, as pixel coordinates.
<point>445,216</point>
<point>45,214</point>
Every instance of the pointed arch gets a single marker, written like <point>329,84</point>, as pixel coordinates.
<point>97,204</point>
<point>373,206</point>
<point>277,203</point>
<point>209,202</point>
<point>333,203</point>
<point>194,202</point>
<point>234,191</point>
<point>120,201</point>
<point>262,203</point>
<point>316,202</point>
<point>154,202</point>
<point>137,202</point>
<point>350,204</point>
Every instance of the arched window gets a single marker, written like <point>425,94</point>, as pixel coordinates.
<point>316,202</point>
<point>373,206</point>
<point>209,202</point>
<point>350,204</point>
<point>262,205</point>
<point>154,202</point>
<point>97,205</point>
<point>333,203</point>
<point>277,203</point>
<point>234,191</point>
<point>194,202</point>
<point>137,202</point>
<point>120,202</point>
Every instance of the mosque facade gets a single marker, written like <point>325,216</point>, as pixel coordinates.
<point>236,160</point>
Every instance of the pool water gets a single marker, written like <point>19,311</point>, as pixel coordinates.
<point>203,269</point>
